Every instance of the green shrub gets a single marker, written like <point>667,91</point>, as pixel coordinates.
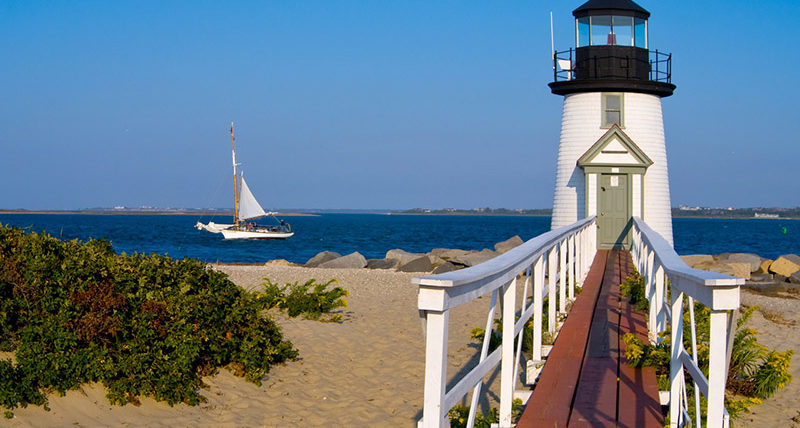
<point>773,373</point>
<point>633,289</point>
<point>310,299</point>
<point>142,325</point>
<point>755,372</point>
<point>459,414</point>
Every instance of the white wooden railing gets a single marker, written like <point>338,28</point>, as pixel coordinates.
<point>565,254</point>
<point>665,273</point>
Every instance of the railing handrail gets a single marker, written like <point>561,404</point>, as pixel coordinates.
<point>565,252</point>
<point>666,274</point>
<point>699,284</point>
<point>674,265</point>
<point>492,274</point>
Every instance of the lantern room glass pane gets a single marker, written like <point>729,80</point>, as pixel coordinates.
<point>639,33</point>
<point>601,30</point>
<point>623,30</point>
<point>583,32</point>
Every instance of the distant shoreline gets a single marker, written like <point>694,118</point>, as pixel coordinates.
<point>184,213</point>
<point>409,213</point>
<point>720,217</point>
<point>465,214</point>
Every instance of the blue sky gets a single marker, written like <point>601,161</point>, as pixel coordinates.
<point>367,104</point>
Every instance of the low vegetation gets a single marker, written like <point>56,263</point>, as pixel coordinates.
<point>311,300</point>
<point>459,415</point>
<point>755,372</point>
<point>74,312</point>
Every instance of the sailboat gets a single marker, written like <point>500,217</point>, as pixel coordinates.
<point>246,210</point>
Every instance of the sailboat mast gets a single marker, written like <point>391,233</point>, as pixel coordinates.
<point>235,189</point>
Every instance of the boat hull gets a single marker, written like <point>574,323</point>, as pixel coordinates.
<point>212,227</point>
<point>254,234</point>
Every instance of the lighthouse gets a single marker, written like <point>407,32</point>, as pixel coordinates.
<point>612,159</point>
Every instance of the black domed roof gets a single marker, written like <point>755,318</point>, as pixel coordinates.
<point>611,7</point>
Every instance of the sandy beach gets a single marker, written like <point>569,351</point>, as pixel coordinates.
<point>777,323</point>
<point>364,371</point>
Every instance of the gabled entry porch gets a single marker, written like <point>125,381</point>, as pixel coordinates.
<point>614,169</point>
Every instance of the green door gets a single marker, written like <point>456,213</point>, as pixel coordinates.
<point>614,211</point>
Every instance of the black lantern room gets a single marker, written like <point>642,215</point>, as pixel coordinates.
<point>612,53</point>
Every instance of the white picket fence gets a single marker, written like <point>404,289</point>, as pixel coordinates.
<point>565,254</point>
<point>665,274</point>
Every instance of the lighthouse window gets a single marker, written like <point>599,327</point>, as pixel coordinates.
<point>640,32</point>
<point>601,31</point>
<point>583,32</point>
<point>623,30</point>
<point>612,110</point>
<point>609,30</point>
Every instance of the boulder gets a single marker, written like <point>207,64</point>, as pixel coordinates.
<point>420,264</point>
<point>765,264</point>
<point>439,251</point>
<point>754,260</point>
<point>322,257</point>
<point>786,265</point>
<point>446,267</point>
<point>382,263</point>
<point>742,270</point>
<point>281,262</point>
<point>447,253</point>
<point>761,277</point>
<point>715,266</point>
<point>502,247</point>
<point>694,259</point>
<point>768,287</point>
<point>402,256</point>
<point>795,278</point>
<point>436,260</point>
<point>351,261</point>
<point>473,258</point>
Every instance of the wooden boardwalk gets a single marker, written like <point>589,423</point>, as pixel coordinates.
<point>586,380</point>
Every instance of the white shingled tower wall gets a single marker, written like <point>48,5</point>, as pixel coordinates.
<point>580,129</point>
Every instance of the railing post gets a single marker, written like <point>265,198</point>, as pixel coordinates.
<point>675,364</point>
<point>587,251</point>
<point>507,381</point>
<point>571,261</point>
<point>434,416</point>
<point>717,368</point>
<point>661,314</point>
<point>537,310</point>
<point>555,66</point>
<point>562,275</point>
<point>579,258</point>
<point>551,291</point>
<point>650,290</point>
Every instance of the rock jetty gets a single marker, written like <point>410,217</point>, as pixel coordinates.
<point>438,260</point>
<point>781,274</point>
<point>762,273</point>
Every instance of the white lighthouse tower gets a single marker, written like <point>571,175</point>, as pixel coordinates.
<point>612,160</point>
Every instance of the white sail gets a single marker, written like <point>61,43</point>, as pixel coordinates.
<point>248,205</point>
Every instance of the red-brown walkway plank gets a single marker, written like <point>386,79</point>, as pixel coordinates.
<point>595,403</point>
<point>551,401</point>
<point>638,388</point>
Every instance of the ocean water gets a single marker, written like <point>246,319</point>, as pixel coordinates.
<point>374,234</point>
